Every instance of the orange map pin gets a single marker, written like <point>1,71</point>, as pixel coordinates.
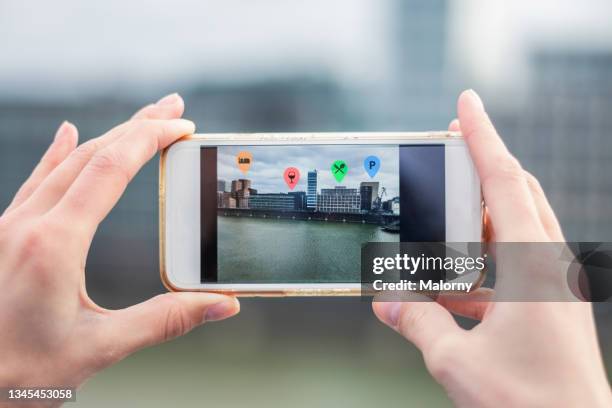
<point>244,160</point>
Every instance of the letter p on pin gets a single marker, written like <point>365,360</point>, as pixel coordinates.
<point>371,165</point>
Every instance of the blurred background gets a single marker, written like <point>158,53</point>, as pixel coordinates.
<point>544,70</point>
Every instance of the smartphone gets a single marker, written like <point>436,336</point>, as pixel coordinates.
<point>286,214</point>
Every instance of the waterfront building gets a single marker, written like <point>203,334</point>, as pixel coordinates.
<point>366,197</point>
<point>300,199</point>
<point>272,201</point>
<point>241,191</point>
<point>311,199</point>
<point>369,192</point>
<point>339,200</point>
<point>241,184</point>
<point>225,200</point>
<point>221,185</point>
<point>392,205</point>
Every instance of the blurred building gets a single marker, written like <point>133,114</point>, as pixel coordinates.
<point>339,200</point>
<point>221,185</point>
<point>421,95</point>
<point>284,105</point>
<point>561,133</point>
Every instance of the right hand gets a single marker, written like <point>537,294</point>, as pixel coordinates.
<point>522,353</point>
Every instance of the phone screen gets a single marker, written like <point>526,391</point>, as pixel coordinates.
<point>301,213</point>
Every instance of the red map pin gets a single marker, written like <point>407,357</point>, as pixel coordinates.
<point>292,176</point>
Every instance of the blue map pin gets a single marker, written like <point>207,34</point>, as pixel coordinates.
<point>371,165</point>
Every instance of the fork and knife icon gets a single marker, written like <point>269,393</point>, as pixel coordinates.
<point>339,169</point>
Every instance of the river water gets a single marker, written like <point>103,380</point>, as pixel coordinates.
<point>286,251</point>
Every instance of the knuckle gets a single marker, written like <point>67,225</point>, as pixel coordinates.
<point>411,319</point>
<point>25,191</point>
<point>33,240</point>
<point>54,159</point>
<point>34,248</point>
<point>533,182</point>
<point>177,321</point>
<point>151,132</point>
<point>109,161</point>
<point>86,150</point>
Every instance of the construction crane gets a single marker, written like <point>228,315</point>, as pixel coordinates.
<point>378,201</point>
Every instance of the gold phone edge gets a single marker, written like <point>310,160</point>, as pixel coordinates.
<point>274,293</point>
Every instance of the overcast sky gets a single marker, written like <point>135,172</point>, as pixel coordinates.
<point>269,164</point>
<point>99,43</point>
<point>66,47</point>
<point>491,39</point>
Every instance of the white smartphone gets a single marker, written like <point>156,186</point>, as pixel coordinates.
<point>287,213</point>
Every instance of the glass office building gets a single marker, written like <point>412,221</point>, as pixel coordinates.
<point>279,202</point>
<point>339,200</point>
<point>311,198</point>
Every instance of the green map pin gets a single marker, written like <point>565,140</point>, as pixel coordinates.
<point>339,170</point>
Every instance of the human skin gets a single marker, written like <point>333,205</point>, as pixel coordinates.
<point>51,332</point>
<point>521,353</point>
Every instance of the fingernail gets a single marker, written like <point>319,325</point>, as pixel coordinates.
<point>61,131</point>
<point>221,310</point>
<point>476,99</point>
<point>390,312</point>
<point>169,99</point>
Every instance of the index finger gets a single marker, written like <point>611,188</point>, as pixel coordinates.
<point>102,181</point>
<point>506,193</point>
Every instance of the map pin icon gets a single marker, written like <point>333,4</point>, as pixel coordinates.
<point>291,176</point>
<point>371,165</point>
<point>244,161</point>
<point>339,170</point>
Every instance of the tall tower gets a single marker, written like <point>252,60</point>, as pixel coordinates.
<point>311,198</point>
<point>369,193</point>
<point>420,74</point>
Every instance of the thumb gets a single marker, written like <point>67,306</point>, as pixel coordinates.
<point>166,317</point>
<point>429,326</point>
<point>423,321</point>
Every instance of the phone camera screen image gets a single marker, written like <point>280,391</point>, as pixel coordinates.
<point>301,213</point>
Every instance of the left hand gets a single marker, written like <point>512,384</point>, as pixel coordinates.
<point>53,334</point>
